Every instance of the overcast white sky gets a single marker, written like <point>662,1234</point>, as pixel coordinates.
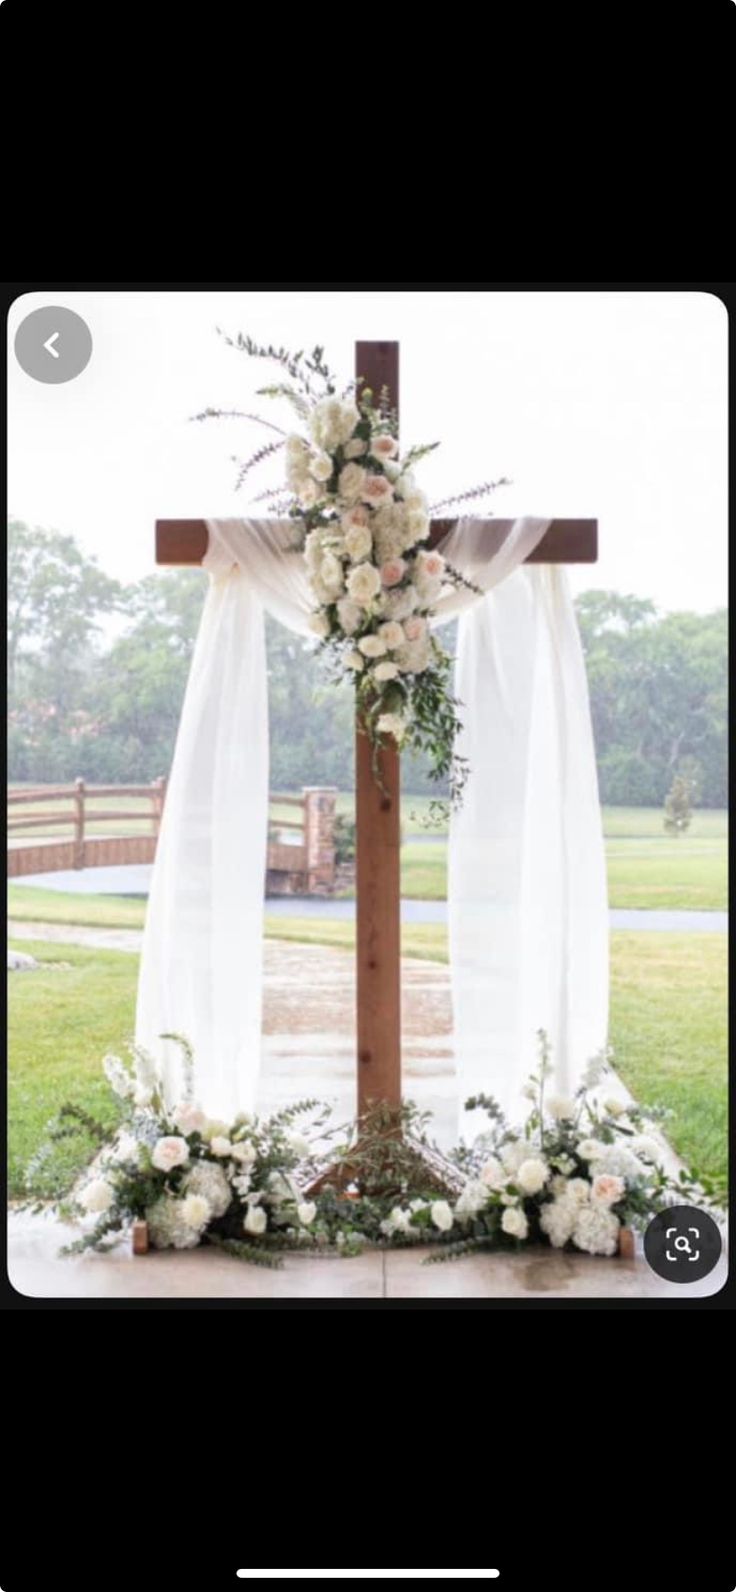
<point>611,405</point>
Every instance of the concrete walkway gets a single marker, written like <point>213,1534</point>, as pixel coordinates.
<point>38,1272</point>
<point>135,880</point>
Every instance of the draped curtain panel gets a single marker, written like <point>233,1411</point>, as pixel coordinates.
<point>528,922</point>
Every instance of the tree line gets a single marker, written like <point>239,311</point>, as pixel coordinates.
<point>97,671</point>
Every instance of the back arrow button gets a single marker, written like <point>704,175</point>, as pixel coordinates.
<point>52,339</point>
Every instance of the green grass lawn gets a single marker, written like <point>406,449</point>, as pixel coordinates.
<point>668,1028</point>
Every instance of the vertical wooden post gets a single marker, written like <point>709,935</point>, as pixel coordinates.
<point>79,823</point>
<point>159,797</point>
<point>378,835</point>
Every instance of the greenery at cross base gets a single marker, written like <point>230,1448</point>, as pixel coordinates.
<point>668,1030</point>
<point>85,702</point>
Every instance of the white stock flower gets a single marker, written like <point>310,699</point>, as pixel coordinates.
<point>406,484</point>
<point>532,1175</point>
<point>306,1212</point>
<point>330,573</point>
<point>142,1096</point>
<point>372,646</point>
<point>442,1216</point>
<point>358,542</point>
<point>319,625</point>
<point>97,1196</point>
<point>255,1220</point>
<point>392,724</point>
<point>596,1229</point>
<point>349,614</point>
<point>118,1076</point>
<point>350,482</point>
<point>514,1222</point>
<point>220,1146</point>
<point>560,1109</point>
<point>385,671</point>
<point>169,1152</point>
<point>126,1148</point>
<point>364,583</point>
<point>188,1117</point>
<point>195,1211</point>
<point>333,422</point>
<point>298,1143</point>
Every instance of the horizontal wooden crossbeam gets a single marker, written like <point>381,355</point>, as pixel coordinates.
<point>184,542</point>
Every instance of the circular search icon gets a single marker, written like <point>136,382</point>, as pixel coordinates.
<point>682,1244</point>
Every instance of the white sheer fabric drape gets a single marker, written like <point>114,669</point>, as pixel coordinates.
<point>527,906</point>
<point>527,896</point>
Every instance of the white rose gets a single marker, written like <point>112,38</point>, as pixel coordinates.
<point>591,1149</point>
<point>372,646</point>
<point>385,671</point>
<point>243,1152</point>
<point>306,1212</point>
<point>358,542</point>
<point>350,482</point>
<point>392,633</point>
<point>442,1215</point>
<point>320,467</point>
<point>349,615</point>
<point>375,489</point>
<point>168,1152</point>
<point>492,1173</point>
<point>256,1220</point>
<point>364,583</point>
<point>354,660</point>
<point>532,1175</point>
<point>319,625</point>
<point>309,493</point>
<point>615,1108</point>
<point>188,1118</point>
<point>560,1109</point>
<point>214,1129</point>
<point>97,1196</point>
<point>220,1145</point>
<point>298,1143</point>
<point>392,724</point>
<point>195,1210</point>
<point>514,1222</point>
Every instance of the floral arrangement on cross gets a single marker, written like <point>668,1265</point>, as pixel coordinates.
<point>362,522</point>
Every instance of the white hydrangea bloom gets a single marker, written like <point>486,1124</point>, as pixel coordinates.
<point>596,1229</point>
<point>210,1182</point>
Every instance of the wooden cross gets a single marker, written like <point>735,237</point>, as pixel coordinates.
<point>184,542</point>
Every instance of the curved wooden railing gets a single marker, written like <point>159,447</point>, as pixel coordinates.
<point>63,827</point>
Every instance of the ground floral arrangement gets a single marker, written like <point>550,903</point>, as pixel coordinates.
<point>361,521</point>
<point>572,1176</point>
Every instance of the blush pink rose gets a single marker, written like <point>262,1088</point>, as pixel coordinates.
<point>608,1189</point>
<point>414,627</point>
<point>376,489</point>
<point>433,564</point>
<point>355,517</point>
<point>392,571</point>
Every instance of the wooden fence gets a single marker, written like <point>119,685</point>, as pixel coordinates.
<point>61,830</point>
